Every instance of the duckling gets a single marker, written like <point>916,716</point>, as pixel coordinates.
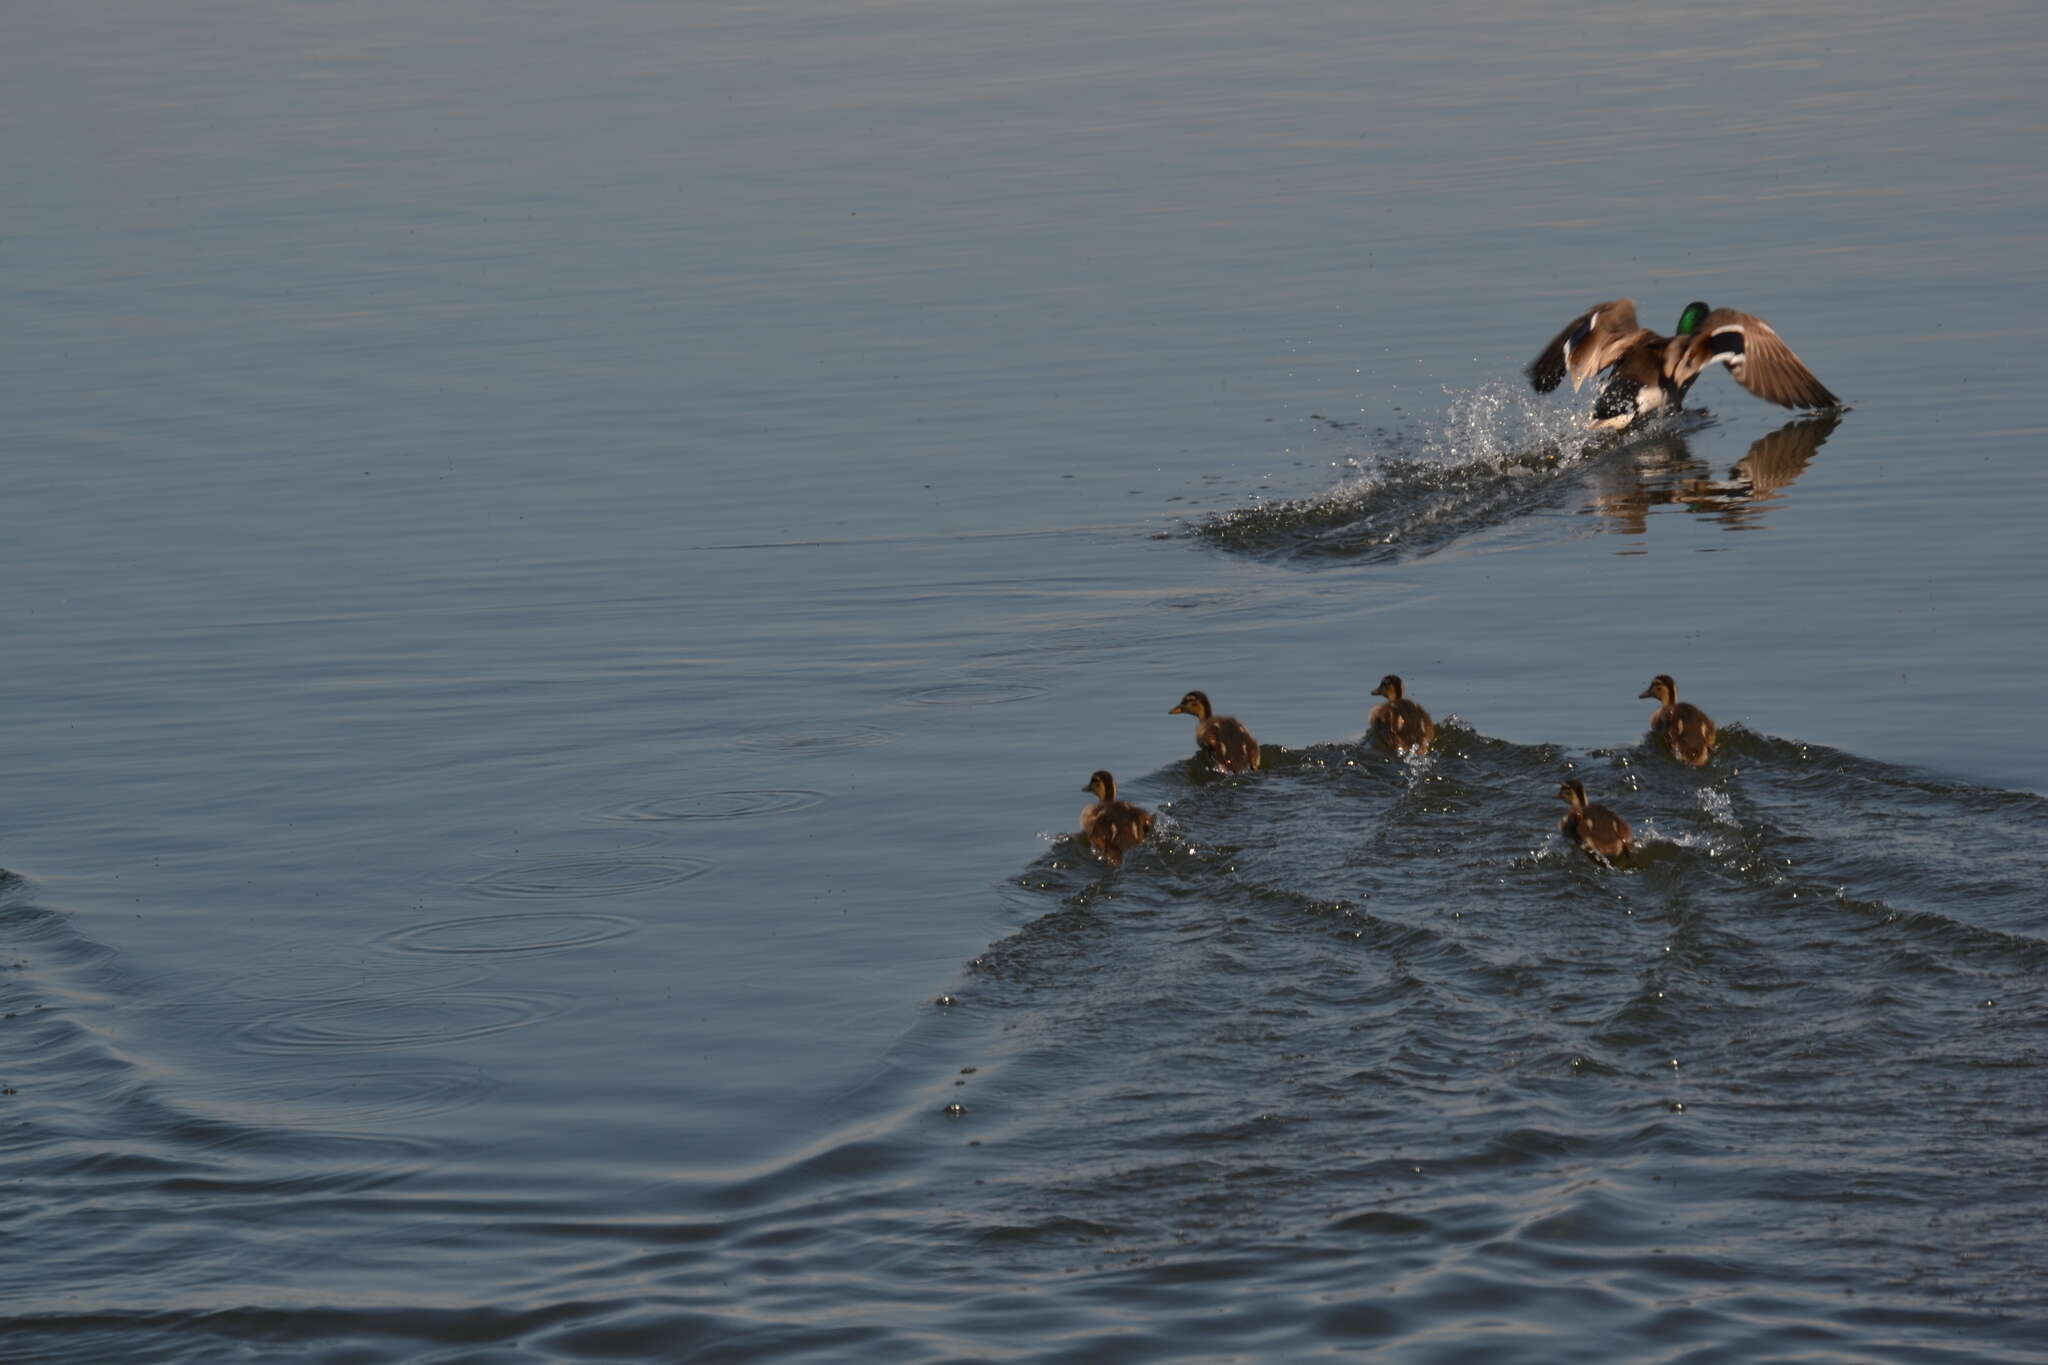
<point>1112,825</point>
<point>1225,737</point>
<point>1596,829</point>
<point>1687,733</point>
<point>1652,373</point>
<point>1402,725</point>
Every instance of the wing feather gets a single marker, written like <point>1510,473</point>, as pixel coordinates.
<point>1589,343</point>
<point>1758,358</point>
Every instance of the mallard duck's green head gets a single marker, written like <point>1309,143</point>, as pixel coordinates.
<point>1689,321</point>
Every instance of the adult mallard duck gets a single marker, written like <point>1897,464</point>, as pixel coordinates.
<point>1225,737</point>
<point>1398,723</point>
<point>1687,734</point>
<point>1112,825</point>
<point>1652,373</point>
<point>1596,829</point>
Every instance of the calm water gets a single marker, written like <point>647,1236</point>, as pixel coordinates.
<point>567,567</point>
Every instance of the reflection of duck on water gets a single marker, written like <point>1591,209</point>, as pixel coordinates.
<point>1663,470</point>
<point>1771,466</point>
<point>1646,475</point>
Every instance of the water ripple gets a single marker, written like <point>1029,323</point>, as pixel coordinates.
<point>816,739</point>
<point>974,694</point>
<point>579,878</point>
<point>350,1098</point>
<point>737,804</point>
<point>541,932</point>
<point>397,1022</point>
<point>1356,998</point>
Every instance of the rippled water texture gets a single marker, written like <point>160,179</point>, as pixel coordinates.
<point>566,568</point>
<point>1365,1018</point>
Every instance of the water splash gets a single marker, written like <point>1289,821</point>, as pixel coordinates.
<point>1498,452</point>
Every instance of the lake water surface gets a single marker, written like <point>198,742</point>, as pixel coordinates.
<point>568,565</point>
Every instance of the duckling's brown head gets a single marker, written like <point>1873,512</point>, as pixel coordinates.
<point>1574,791</point>
<point>1194,704</point>
<point>1390,688</point>
<point>1689,321</point>
<point>1661,689</point>
<point>1103,785</point>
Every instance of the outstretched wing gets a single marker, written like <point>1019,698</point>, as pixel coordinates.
<point>1588,344</point>
<point>1758,358</point>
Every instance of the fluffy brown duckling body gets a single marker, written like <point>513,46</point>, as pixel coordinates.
<point>1112,825</point>
<point>1596,829</point>
<point>1398,723</point>
<point>1684,730</point>
<point>1225,738</point>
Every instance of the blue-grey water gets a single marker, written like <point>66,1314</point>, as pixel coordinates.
<point>567,565</point>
